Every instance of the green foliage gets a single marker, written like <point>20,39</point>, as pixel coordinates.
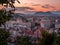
<point>3,37</point>
<point>24,40</point>
<point>4,16</point>
<point>3,1</point>
<point>8,2</point>
<point>48,38</point>
<point>57,41</point>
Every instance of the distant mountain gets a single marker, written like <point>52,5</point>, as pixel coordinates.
<point>36,14</point>
<point>46,14</point>
<point>43,12</point>
<point>56,12</point>
<point>16,15</point>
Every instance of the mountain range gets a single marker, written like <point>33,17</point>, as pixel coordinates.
<point>39,14</point>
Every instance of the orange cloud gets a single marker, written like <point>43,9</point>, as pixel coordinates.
<point>39,7</point>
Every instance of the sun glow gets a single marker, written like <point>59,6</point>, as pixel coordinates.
<point>29,3</point>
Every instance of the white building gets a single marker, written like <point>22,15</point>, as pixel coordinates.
<point>57,25</point>
<point>45,22</point>
<point>17,24</point>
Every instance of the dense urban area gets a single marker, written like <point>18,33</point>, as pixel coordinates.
<point>31,26</point>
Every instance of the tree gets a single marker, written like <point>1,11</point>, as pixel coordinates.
<point>24,40</point>
<point>4,16</point>
<point>48,38</point>
<point>57,41</point>
<point>8,2</point>
<point>3,37</point>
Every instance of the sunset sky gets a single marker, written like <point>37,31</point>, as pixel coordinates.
<point>40,5</point>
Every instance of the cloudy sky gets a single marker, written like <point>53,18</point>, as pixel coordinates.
<point>39,5</point>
